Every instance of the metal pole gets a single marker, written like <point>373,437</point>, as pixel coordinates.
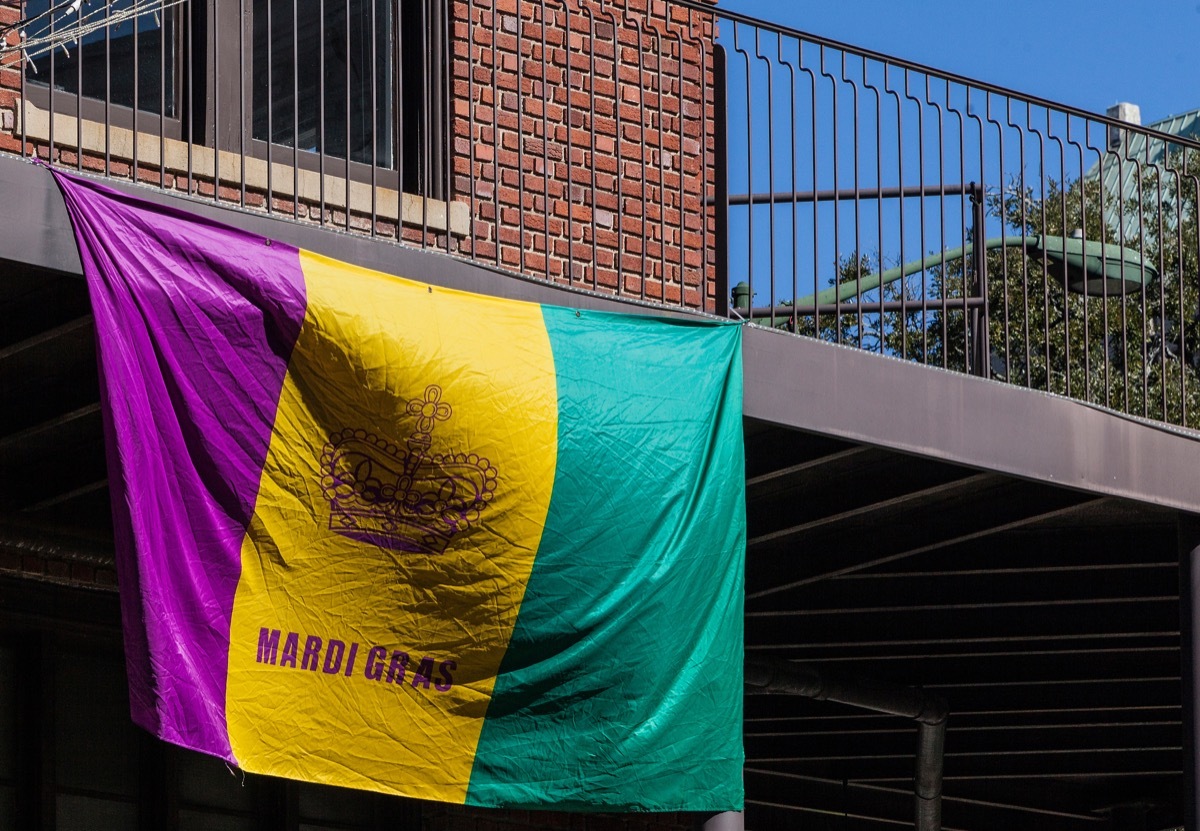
<point>1189,624</point>
<point>764,675</point>
<point>724,821</point>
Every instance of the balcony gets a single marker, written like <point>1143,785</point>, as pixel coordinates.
<point>686,157</point>
<point>972,348</point>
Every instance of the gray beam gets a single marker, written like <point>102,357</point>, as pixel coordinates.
<point>38,232</point>
<point>789,381</point>
<point>844,392</point>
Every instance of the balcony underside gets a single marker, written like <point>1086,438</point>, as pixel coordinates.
<point>1013,552</point>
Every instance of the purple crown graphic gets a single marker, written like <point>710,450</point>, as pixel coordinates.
<point>404,498</point>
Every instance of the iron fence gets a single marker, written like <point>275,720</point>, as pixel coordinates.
<point>889,206</point>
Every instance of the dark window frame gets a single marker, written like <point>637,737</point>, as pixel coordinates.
<point>42,93</point>
<point>213,74</point>
<point>423,143</point>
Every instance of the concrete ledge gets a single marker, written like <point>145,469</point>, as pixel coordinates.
<point>234,167</point>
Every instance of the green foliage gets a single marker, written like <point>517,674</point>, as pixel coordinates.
<point>1137,352</point>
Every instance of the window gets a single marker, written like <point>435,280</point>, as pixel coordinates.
<point>331,62</point>
<point>353,79</point>
<point>302,81</point>
<point>106,52</point>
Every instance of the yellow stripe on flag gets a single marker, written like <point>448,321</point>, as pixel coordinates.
<point>380,361</point>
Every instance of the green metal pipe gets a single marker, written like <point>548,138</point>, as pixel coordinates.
<point>1088,267</point>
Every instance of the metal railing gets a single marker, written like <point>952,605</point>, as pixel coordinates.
<point>886,205</point>
<point>662,149</point>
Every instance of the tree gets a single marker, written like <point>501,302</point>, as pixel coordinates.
<point>1136,351</point>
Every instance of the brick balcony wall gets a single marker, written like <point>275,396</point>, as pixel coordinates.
<point>593,127</point>
<point>582,147</point>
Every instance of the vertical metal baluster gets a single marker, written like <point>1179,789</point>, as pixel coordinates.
<point>1045,264</point>
<point>794,323</point>
<point>1183,344</point>
<point>837,236</point>
<point>641,127</point>
<point>812,120</point>
<point>887,85</point>
<point>321,125</point>
<point>136,98</point>
<point>858,293</point>
<point>1062,208</point>
<point>1024,260</point>
<point>520,132</point>
<point>569,166</point>
<point>920,219</point>
<point>879,185</point>
<point>705,231</point>
<point>749,174</point>
<point>270,196</point>
<point>620,211</point>
<point>446,73</point>
<point>349,94</point>
<point>296,110</point>
<point>681,205</point>
<point>969,228</point>
<point>497,145</point>
<point>770,173</point>
<point>243,84</point>
<point>1162,283</point>
<point>1120,202</point>
<point>108,91</point>
<point>546,212</point>
<point>662,187</point>
<point>976,223</point>
<point>162,99</point>
<point>52,109</point>
<point>591,81</point>
<point>216,107</point>
<point>79,90</point>
<point>1101,158</point>
<point>189,40</point>
<point>399,100</point>
<point>373,105</point>
<point>983,345</point>
<point>662,173</point>
<point>941,183</point>
<point>1141,235</point>
<point>1003,251</point>
<point>472,134</point>
<point>1087,372</point>
<point>23,62</point>
<point>1177,189</point>
<point>637,27</point>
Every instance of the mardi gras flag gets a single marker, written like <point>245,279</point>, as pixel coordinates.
<point>386,535</point>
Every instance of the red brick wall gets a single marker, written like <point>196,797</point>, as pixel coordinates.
<point>592,126</point>
<point>583,135</point>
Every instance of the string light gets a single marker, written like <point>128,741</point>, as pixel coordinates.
<point>41,33</point>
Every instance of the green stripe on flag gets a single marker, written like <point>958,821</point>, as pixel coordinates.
<point>629,638</point>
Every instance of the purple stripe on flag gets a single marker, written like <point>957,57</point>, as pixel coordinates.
<point>195,324</point>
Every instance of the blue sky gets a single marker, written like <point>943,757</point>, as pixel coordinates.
<point>1085,53</point>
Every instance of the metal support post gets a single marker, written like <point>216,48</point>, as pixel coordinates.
<point>724,821</point>
<point>1189,626</point>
